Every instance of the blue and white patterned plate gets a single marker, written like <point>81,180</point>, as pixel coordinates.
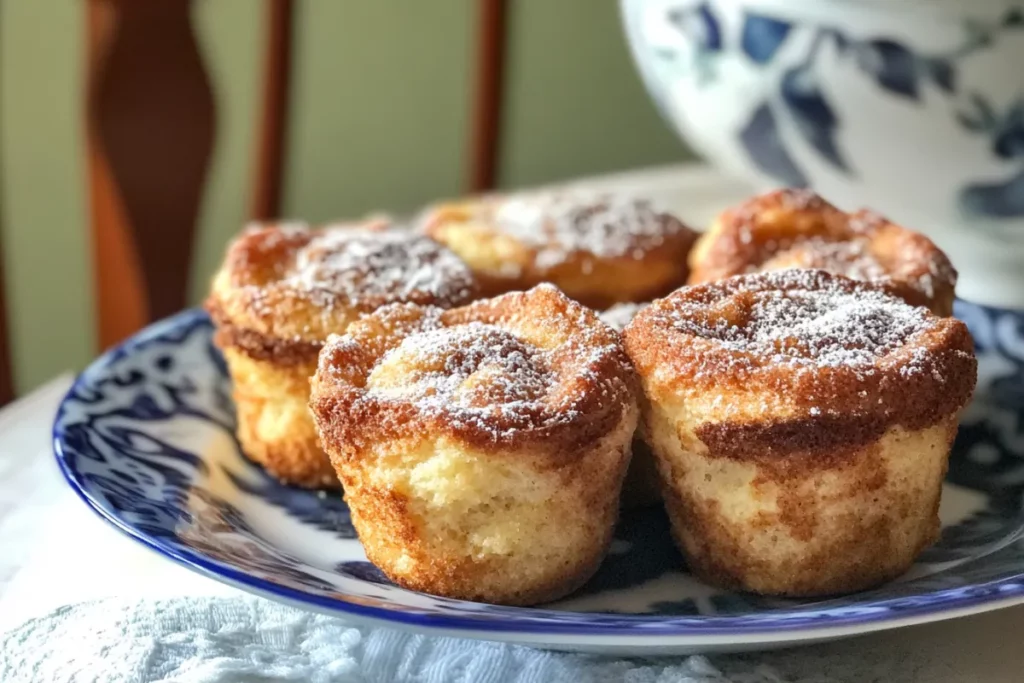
<point>145,438</point>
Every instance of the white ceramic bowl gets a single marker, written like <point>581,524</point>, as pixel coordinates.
<point>911,107</point>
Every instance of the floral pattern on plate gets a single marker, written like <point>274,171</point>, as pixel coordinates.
<point>145,437</point>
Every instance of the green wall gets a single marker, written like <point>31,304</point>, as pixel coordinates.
<point>574,104</point>
<point>380,101</point>
<point>43,213</point>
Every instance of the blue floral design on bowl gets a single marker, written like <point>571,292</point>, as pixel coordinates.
<point>797,99</point>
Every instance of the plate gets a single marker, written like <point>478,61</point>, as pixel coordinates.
<point>145,437</point>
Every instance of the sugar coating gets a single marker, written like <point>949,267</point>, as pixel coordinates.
<point>476,371</point>
<point>851,258</point>
<point>532,368</point>
<point>354,264</point>
<point>799,318</point>
<point>604,225</point>
<point>482,376</point>
<point>799,229</point>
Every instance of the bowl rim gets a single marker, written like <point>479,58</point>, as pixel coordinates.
<point>824,10</point>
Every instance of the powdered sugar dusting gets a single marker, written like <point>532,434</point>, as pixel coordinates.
<point>355,265</point>
<point>476,371</point>
<point>801,318</point>
<point>561,224</point>
<point>488,378</point>
<point>851,258</point>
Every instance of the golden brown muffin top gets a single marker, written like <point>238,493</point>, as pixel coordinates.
<point>289,284</point>
<point>558,226</point>
<point>793,228</point>
<point>828,347</point>
<point>529,370</point>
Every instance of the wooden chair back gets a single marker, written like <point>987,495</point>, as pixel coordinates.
<point>151,128</point>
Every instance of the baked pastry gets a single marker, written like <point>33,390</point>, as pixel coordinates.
<point>801,423</point>
<point>600,249</point>
<point>482,449</point>
<point>640,489</point>
<point>281,291</point>
<point>798,229</point>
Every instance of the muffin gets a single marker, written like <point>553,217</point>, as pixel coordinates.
<point>600,249</point>
<point>798,229</point>
<point>801,423</point>
<point>482,449</point>
<point>641,486</point>
<point>281,291</point>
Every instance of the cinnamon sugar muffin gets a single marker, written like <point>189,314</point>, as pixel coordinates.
<point>281,291</point>
<point>482,449</point>
<point>798,229</point>
<point>600,249</point>
<point>640,489</point>
<point>801,423</point>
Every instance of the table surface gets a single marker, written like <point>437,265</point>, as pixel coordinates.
<point>54,552</point>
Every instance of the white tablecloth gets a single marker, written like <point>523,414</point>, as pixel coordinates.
<point>55,552</point>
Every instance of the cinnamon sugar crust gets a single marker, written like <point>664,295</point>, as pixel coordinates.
<point>527,369</point>
<point>809,347</point>
<point>600,249</point>
<point>285,287</point>
<point>793,228</point>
